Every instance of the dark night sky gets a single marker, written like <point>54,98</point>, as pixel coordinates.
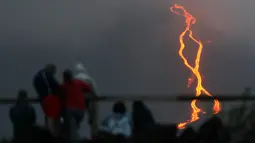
<point>128,46</point>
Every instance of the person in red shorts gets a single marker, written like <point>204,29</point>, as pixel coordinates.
<point>52,110</point>
<point>74,91</point>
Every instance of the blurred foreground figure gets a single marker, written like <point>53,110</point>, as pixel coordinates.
<point>22,114</point>
<point>35,134</point>
<point>118,123</point>
<point>142,117</point>
<point>75,104</point>
<point>209,131</point>
<point>45,83</point>
<point>143,122</point>
<point>189,135</point>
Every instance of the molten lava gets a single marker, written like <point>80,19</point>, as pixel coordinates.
<point>190,20</point>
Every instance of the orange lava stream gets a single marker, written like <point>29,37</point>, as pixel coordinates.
<point>190,20</point>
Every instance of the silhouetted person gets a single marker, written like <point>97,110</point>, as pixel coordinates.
<point>75,105</point>
<point>118,123</point>
<point>209,131</point>
<point>189,135</point>
<point>162,133</point>
<point>35,134</point>
<point>142,117</point>
<point>224,136</point>
<point>45,83</point>
<point>22,114</point>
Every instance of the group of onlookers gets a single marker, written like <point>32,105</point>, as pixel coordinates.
<point>120,123</point>
<point>64,106</point>
<point>66,101</point>
<point>137,125</point>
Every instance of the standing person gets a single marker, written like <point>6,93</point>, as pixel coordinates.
<point>52,107</point>
<point>75,106</point>
<point>45,83</point>
<point>22,114</point>
<point>82,74</point>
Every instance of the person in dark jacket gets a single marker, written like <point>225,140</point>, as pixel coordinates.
<point>22,114</point>
<point>189,135</point>
<point>35,134</point>
<point>142,117</point>
<point>209,131</point>
<point>45,83</point>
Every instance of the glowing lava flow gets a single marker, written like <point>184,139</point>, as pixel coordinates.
<point>190,20</point>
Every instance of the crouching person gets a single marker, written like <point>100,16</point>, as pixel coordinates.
<point>22,114</point>
<point>118,124</point>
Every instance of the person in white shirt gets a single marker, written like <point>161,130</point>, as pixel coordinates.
<point>119,122</point>
<point>82,74</point>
